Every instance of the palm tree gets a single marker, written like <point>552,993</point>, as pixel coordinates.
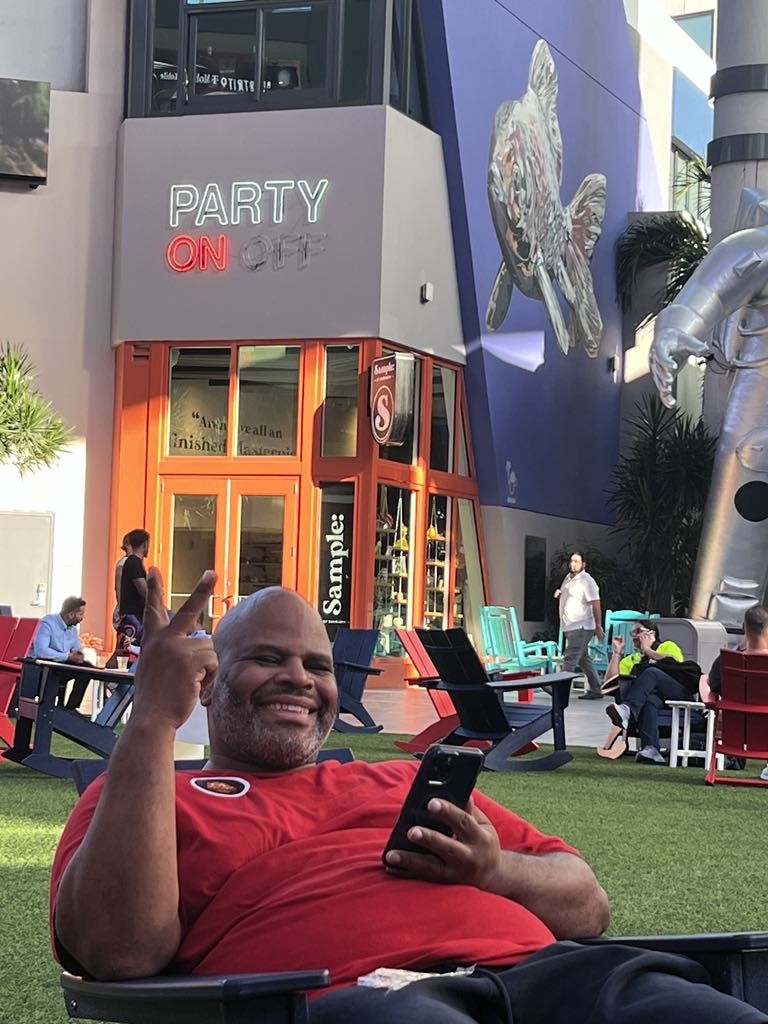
<point>660,486</point>
<point>675,239</point>
<point>32,435</point>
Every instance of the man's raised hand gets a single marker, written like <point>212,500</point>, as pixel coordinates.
<point>173,667</point>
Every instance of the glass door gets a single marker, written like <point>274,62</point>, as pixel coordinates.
<point>263,522</point>
<point>194,524</point>
<point>243,529</point>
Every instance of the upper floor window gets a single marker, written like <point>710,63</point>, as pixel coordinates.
<point>690,185</point>
<point>227,55</point>
<point>700,27</point>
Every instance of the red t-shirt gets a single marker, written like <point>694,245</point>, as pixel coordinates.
<point>286,874</point>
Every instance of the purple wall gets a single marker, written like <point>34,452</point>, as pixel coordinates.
<point>556,428</point>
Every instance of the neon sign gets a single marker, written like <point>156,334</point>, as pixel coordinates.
<point>244,203</point>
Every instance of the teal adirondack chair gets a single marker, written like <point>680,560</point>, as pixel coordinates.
<point>620,624</point>
<point>504,647</point>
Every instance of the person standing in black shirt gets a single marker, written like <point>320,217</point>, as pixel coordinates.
<point>133,581</point>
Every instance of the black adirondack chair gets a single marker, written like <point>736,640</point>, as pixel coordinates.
<point>352,653</point>
<point>737,964</point>
<point>482,713</point>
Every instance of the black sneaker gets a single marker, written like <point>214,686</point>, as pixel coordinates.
<point>591,695</point>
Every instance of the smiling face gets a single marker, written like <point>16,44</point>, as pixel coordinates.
<point>274,700</point>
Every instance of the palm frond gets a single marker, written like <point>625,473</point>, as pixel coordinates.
<point>32,434</point>
<point>695,175</point>
<point>676,241</point>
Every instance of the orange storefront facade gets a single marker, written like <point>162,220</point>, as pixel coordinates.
<point>257,458</point>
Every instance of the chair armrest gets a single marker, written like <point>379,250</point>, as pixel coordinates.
<point>541,648</point>
<point>425,681</point>
<point>715,942</point>
<point>191,999</point>
<point>532,682</point>
<point>368,669</point>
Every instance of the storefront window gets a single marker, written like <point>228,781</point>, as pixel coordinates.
<point>334,592</point>
<point>406,452</point>
<point>340,403</point>
<point>396,76</point>
<point>356,63</point>
<point>223,55</point>
<point>436,563</point>
<point>468,589</point>
<point>268,399</point>
<point>463,460</point>
<point>193,540</point>
<point>165,71</point>
<point>225,48</point>
<point>198,407</point>
<point>392,567</point>
<point>295,48</point>
<point>441,432</point>
<point>261,543</point>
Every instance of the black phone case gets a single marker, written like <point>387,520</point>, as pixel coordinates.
<point>449,773</point>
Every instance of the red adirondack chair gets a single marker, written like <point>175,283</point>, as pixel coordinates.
<point>447,719</point>
<point>17,645</point>
<point>742,714</point>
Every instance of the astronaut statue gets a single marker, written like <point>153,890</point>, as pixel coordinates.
<point>728,295</point>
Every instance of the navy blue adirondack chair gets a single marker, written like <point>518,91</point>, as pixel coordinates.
<point>86,769</point>
<point>352,653</point>
<point>482,713</point>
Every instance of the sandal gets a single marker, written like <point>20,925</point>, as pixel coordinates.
<point>615,743</point>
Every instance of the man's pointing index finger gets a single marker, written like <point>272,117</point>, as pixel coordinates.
<point>186,618</point>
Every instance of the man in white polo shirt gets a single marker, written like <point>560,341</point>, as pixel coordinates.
<point>580,619</point>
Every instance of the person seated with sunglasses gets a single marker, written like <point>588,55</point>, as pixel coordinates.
<point>644,682</point>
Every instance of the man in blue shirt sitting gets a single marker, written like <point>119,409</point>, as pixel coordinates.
<point>57,639</point>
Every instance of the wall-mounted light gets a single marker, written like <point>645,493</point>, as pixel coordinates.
<point>613,364</point>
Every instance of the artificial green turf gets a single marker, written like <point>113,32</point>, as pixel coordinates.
<point>673,854</point>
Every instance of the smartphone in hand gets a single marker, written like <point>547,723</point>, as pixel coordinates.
<point>448,773</point>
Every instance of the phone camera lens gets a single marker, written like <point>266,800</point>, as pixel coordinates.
<point>443,767</point>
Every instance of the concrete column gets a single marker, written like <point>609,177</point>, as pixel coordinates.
<point>738,154</point>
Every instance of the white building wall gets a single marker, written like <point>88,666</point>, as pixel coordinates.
<point>505,530</point>
<point>55,294</point>
<point>661,45</point>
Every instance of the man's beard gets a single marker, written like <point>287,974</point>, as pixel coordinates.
<point>240,732</point>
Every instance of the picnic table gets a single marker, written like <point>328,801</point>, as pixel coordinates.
<point>39,717</point>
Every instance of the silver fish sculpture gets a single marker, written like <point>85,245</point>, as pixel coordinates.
<point>541,240</point>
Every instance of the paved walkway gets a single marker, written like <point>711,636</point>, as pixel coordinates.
<point>409,711</point>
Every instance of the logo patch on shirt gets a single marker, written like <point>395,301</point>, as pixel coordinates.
<point>221,785</point>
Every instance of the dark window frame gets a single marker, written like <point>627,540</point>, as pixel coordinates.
<point>140,60</point>
<point>261,99</point>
